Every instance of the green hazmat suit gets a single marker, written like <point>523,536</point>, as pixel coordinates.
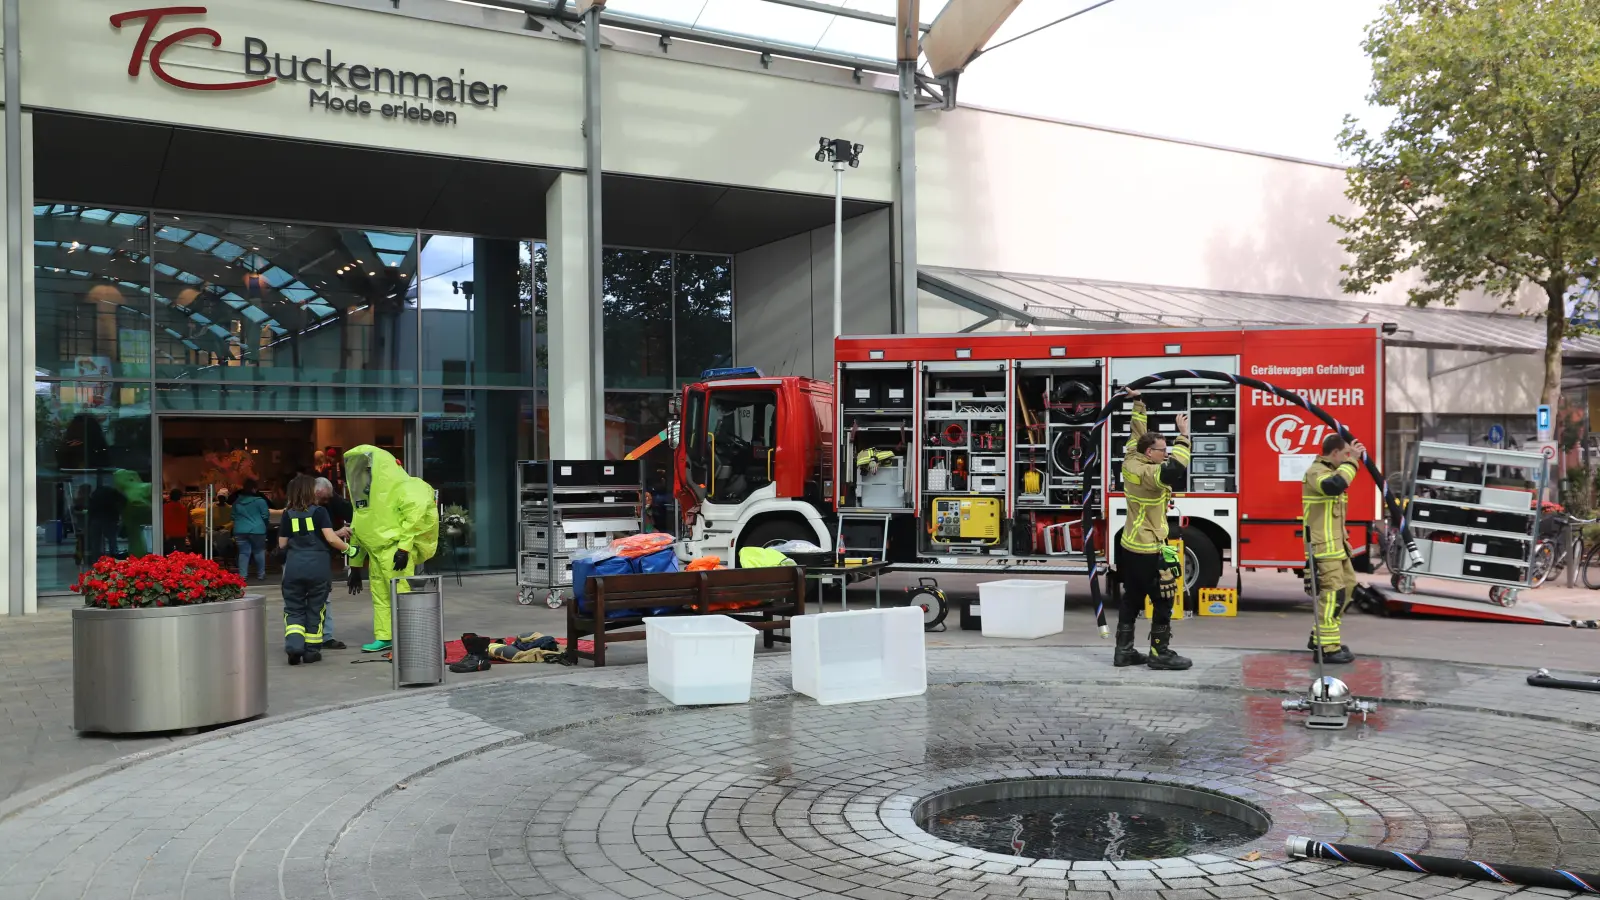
<point>394,511</point>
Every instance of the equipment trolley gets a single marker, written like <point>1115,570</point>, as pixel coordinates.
<point>565,506</point>
<point>1474,513</point>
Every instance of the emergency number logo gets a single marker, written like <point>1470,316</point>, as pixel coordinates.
<point>1288,433</point>
<point>151,18</point>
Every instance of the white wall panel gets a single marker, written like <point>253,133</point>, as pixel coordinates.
<point>783,296</point>
<point>677,119</point>
<point>1009,193</point>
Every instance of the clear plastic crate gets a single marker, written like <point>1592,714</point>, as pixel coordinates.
<point>700,660</point>
<point>1023,608</point>
<point>861,655</point>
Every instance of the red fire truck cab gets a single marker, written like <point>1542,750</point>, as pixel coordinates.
<point>972,452</point>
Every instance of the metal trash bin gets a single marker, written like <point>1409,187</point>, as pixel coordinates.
<point>416,620</point>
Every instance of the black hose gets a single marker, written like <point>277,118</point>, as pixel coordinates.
<point>1543,678</point>
<point>1559,879</point>
<point>1396,514</point>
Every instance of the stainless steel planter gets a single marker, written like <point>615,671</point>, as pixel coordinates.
<point>137,670</point>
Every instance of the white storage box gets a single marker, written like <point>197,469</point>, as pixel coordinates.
<point>536,569</point>
<point>1022,608</point>
<point>851,657</point>
<point>1445,559</point>
<point>700,660</point>
<point>1501,498</point>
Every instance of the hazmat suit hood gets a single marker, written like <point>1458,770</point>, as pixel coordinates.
<point>393,509</point>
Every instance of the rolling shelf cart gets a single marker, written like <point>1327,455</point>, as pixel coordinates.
<point>1474,513</point>
<point>566,505</point>
<point>1212,434</point>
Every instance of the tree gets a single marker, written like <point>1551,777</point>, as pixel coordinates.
<point>1489,175</point>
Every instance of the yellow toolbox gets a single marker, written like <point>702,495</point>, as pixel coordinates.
<point>965,519</point>
<point>1177,602</point>
<point>1219,602</point>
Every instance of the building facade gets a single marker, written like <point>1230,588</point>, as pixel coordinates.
<point>377,212</point>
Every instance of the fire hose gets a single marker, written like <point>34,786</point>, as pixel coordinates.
<point>1397,516</point>
<point>1559,879</point>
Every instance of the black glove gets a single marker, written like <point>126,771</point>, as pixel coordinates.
<point>354,581</point>
<point>400,559</point>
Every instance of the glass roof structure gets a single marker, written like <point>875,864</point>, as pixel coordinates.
<point>775,22</point>
<point>1077,303</point>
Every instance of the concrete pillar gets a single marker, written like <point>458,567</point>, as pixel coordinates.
<point>571,339</point>
<point>19,587</point>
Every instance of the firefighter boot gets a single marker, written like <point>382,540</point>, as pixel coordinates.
<point>1125,655</point>
<point>1338,656</point>
<point>477,658</point>
<point>1161,654</point>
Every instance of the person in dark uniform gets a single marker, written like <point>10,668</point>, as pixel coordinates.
<point>307,538</point>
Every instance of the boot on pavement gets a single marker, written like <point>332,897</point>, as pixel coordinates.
<point>1125,655</point>
<point>1162,656</point>
<point>477,658</point>
<point>1338,656</point>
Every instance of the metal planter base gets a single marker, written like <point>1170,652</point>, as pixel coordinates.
<point>169,669</point>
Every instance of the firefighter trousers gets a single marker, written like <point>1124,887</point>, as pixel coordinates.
<point>1336,583</point>
<point>305,602</point>
<point>380,568</point>
<point>1141,575</point>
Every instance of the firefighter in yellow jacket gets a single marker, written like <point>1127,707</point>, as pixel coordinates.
<point>1325,493</point>
<point>395,528</point>
<point>1146,565</point>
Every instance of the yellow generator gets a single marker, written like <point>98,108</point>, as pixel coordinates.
<point>965,520</point>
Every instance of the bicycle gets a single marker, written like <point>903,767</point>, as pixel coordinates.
<point>1554,549</point>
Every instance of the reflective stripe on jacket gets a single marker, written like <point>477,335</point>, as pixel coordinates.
<point>1324,494</point>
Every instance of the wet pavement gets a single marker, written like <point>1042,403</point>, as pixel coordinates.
<point>585,783</point>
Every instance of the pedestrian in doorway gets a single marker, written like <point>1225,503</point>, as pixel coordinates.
<point>250,515</point>
<point>307,540</point>
<point>175,523</point>
<point>338,510</point>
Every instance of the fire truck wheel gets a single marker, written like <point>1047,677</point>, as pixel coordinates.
<point>1202,557</point>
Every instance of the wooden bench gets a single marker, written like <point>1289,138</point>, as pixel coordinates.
<point>780,592</point>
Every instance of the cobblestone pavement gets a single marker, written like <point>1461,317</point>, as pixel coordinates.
<point>586,784</point>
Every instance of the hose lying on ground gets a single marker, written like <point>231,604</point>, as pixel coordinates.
<point>1543,678</point>
<point>1559,879</point>
<point>1396,514</point>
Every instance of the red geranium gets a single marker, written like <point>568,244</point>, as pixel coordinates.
<point>177,579</point>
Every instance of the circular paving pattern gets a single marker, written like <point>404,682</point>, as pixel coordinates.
<point>585,784</point>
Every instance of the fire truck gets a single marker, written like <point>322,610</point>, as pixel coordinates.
<point>973,453</point>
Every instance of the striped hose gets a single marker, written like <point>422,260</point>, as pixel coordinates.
<point>1397,516</point>
<point>1559,879</point>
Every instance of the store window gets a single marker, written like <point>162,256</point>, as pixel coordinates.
<point>632,419</point>
<point>245,300</point>
<point>478,315</point>
<point>93,460</point>
<point>471,441</point>
<point>702,314</point>
<point>638,319</point>
<point>284,398</point>
<point>92,292</point>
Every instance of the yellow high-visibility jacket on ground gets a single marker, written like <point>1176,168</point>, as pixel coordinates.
<point>1148,486</point>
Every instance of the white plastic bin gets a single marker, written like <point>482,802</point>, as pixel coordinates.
<point>1020,608</point>
<point>700,660</point>
<point>852,657</point>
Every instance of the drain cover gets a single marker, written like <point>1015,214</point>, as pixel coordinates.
<point>1089,819</point>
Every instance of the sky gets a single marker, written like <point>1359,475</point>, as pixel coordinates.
<point>1275,76</point>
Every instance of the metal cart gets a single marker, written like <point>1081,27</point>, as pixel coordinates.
<point>1474,513</point>
<point>565,506</point>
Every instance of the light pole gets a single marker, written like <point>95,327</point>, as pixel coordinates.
<point>840,152</point>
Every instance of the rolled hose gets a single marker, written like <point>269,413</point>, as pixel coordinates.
<point>1397,516</point>
<point>1543,678</point>
<point>1559,879</point>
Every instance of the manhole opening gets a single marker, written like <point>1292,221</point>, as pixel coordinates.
<point>1089,819</point>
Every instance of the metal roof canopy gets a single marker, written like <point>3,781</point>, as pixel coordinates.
<point>1049,301</point>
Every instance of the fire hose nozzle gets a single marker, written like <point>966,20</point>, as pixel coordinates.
<point>1415,554</point>
<point>1297,847</point>
<point>1105,632</point>
<point>1300,705</point>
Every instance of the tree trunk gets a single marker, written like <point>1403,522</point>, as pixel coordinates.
<point>1555,322</point>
